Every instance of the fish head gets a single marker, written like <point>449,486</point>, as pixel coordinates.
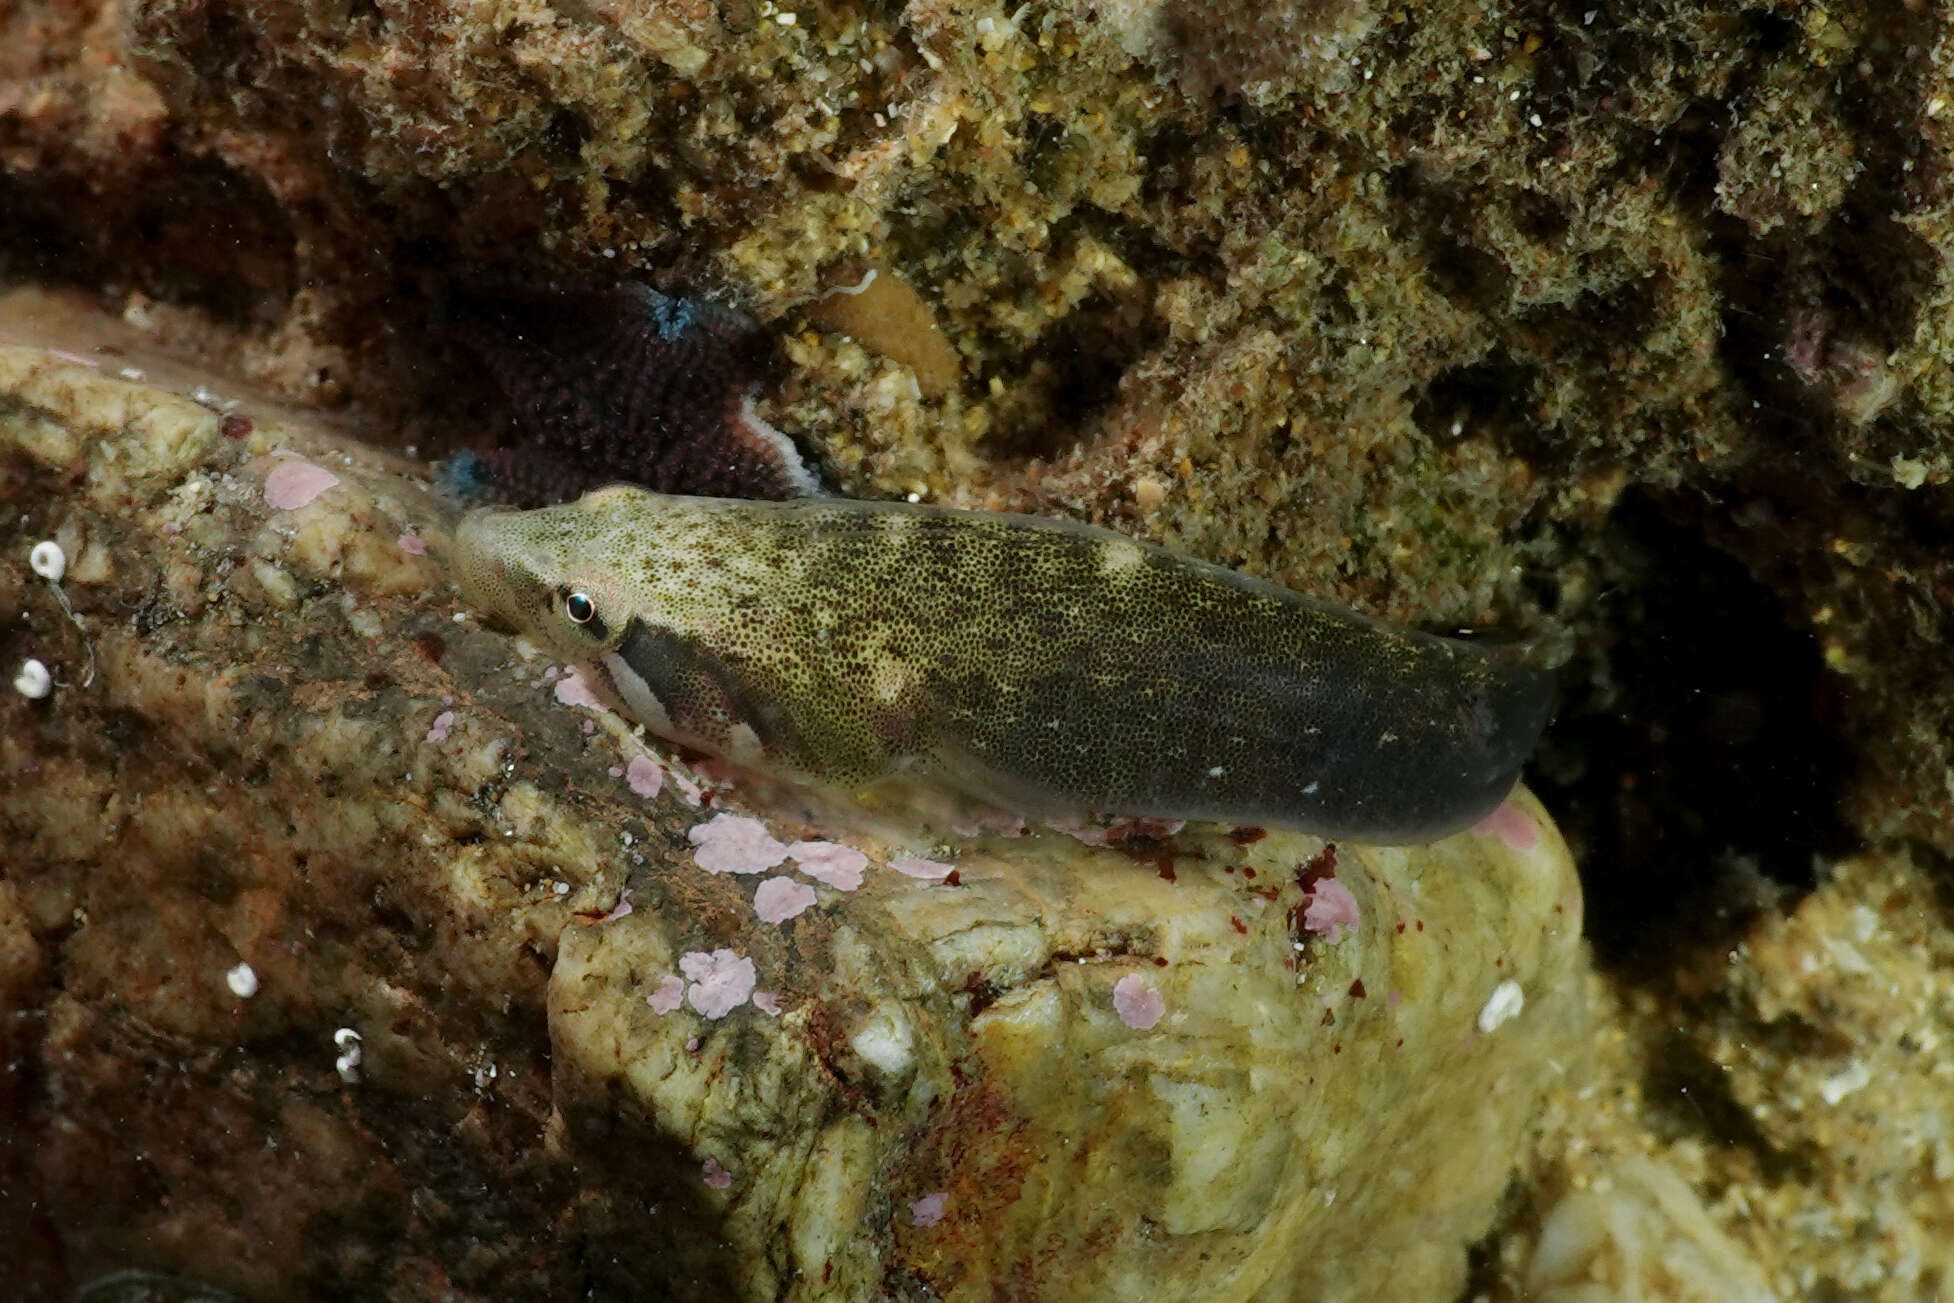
<point>534,572</point>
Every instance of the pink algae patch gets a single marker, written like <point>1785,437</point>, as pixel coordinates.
<point>690,792</point>
<point>927,870</point>
<point>669,994</point>
<point>1092,834</point>
<point>1511,825</point>
<point>717,1177</point>
<point>412,544</point>
<point>438,730</point>
<point>644,776</point>
<point>767,1002</point>
<point>721,981</point>
<point>1115,832</point>
<point>780,899</point>
<point>1330,911</point>
<point>573,690</point>
<point>841,867</point>
<point>1138,1005</point>
<point>928,1210</point>
<point>990,821</point>
<point>734,843</point>
<point>295,482</point>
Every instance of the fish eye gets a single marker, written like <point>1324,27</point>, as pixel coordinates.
<point>579,608</point>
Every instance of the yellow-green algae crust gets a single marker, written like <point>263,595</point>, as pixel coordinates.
<point>1318,1121</point>
<point>1041,665</point>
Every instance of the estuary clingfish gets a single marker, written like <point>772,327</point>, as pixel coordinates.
<point>1043,666</point>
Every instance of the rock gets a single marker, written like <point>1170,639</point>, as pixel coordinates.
<point>1637,1231</point>
<point>1217,1064</point>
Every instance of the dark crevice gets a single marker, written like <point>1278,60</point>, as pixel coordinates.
<point>1686,155</point>
<point>1771,33</point>
<point>1438,218</point>
<point>1689,1095</point>
<point>1489,395</point>
<point>1938,868</point>
<point>1073,370</point>
<point>1074,374</point>
<point>1693,764</point>
<point>189,231</point>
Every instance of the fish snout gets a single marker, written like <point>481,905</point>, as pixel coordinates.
<point>482,555</point>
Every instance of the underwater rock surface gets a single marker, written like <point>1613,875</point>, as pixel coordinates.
<point>352,955</point>
<point>1629,323</point>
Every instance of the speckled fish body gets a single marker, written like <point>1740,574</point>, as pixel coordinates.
<point>1044,666</point>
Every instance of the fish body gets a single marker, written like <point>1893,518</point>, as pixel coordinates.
<point>1044,666</point>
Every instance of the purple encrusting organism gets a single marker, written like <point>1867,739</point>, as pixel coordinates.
<point>620,383</point>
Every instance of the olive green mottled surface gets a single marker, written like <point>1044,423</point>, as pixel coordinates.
<point>1038,665</point>
<point>292,756</point>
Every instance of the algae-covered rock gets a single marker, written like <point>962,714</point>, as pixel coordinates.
<point>1120,1076</point>
<point>1777,1128</point>
<point>1633,1229</point>
<point>360,957</point>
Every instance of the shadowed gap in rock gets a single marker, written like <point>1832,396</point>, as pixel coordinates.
<point>1691,767</point>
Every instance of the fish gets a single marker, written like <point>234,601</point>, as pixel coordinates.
<point>1041,666</point>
